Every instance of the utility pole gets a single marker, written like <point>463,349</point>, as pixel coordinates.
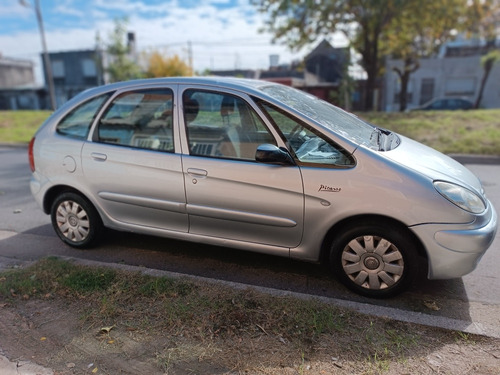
<point>46,60</point>
<point>190,57</point>
<point>48,66</point>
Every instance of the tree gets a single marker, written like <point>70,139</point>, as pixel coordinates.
<point>161,66</point>
<point>423,26</point>
<point>121,66</point>
<point>483,20</point>
<point>363,22</point>
<point>484,25</point>
<point>487,62</point>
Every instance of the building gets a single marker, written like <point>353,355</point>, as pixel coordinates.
<point>285,74</point>
<point>17,85</point>
<point>326,64</point>
<point>74,72</point>
<point>320,73</point>
<point>242,73</point>
<point>455,72</point>
<point>15,72</point>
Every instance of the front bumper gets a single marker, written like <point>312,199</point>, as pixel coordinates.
<point>453,251</point>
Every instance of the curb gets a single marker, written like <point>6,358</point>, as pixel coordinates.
<point>14,145</point>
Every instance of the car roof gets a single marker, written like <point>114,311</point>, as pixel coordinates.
<point>248,85</point>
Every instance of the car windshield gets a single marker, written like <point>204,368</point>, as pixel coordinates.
<point>341,122</point>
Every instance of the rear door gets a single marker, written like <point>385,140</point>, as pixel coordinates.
<point>230,195</point>
<point>131,165</point>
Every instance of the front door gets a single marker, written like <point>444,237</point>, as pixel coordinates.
<point>230,195</point>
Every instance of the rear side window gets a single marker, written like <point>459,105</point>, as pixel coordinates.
<point>77,123</point>
<point>139,119</point>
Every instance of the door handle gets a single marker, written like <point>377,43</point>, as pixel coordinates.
<point>97,156</point>
<point>197,173</point>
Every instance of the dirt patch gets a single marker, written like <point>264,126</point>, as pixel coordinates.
<point>57,333</point>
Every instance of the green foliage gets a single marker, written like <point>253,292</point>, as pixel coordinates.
<point>121,66</point>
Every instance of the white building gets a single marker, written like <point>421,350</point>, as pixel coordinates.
<point>457,74</point>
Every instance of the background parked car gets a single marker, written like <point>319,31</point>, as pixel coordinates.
<point>447,104</point>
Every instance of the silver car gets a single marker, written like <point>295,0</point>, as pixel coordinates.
<point>258,166</point>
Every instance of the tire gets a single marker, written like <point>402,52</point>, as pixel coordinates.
<point>374,260</point>
<point>75,220</point>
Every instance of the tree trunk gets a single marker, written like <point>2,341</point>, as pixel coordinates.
<point>404,75</point>
<point>487,69</point>
<point>370,63</point>
<point>403,95</point>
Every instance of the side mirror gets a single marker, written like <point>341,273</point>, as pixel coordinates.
<point>272,154</point>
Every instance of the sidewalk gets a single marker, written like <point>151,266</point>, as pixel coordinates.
<point>20,367</point>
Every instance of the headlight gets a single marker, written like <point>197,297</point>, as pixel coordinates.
<point>460,196</point>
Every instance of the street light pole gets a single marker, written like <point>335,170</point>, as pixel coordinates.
<point>46,60</point>
<point>48,66</point>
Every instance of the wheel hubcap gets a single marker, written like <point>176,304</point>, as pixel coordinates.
<point>372,262</point>
<point>72,221</point>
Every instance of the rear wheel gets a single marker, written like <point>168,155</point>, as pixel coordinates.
<point>75,220</point>
<point>374,260</point>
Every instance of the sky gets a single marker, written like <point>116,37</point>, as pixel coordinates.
<point>224,34</point>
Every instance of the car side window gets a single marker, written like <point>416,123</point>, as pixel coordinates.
<point>139,119</point>
<point>308,145</point>
<point>222,125</point>
<point>438,104</point>
<point>77,123</point>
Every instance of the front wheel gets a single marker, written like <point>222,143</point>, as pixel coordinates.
<point>75,220</point>
<point>374,261</point>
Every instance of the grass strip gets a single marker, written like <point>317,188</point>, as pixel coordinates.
<point>211,319</point>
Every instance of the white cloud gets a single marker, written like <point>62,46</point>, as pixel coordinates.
<point>12,8</point>
<point>221,37</point>
<point>68,7</point>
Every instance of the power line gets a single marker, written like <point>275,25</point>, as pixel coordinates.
<point>244,42</point>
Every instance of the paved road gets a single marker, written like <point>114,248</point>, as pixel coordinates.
<point>26,234</point>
